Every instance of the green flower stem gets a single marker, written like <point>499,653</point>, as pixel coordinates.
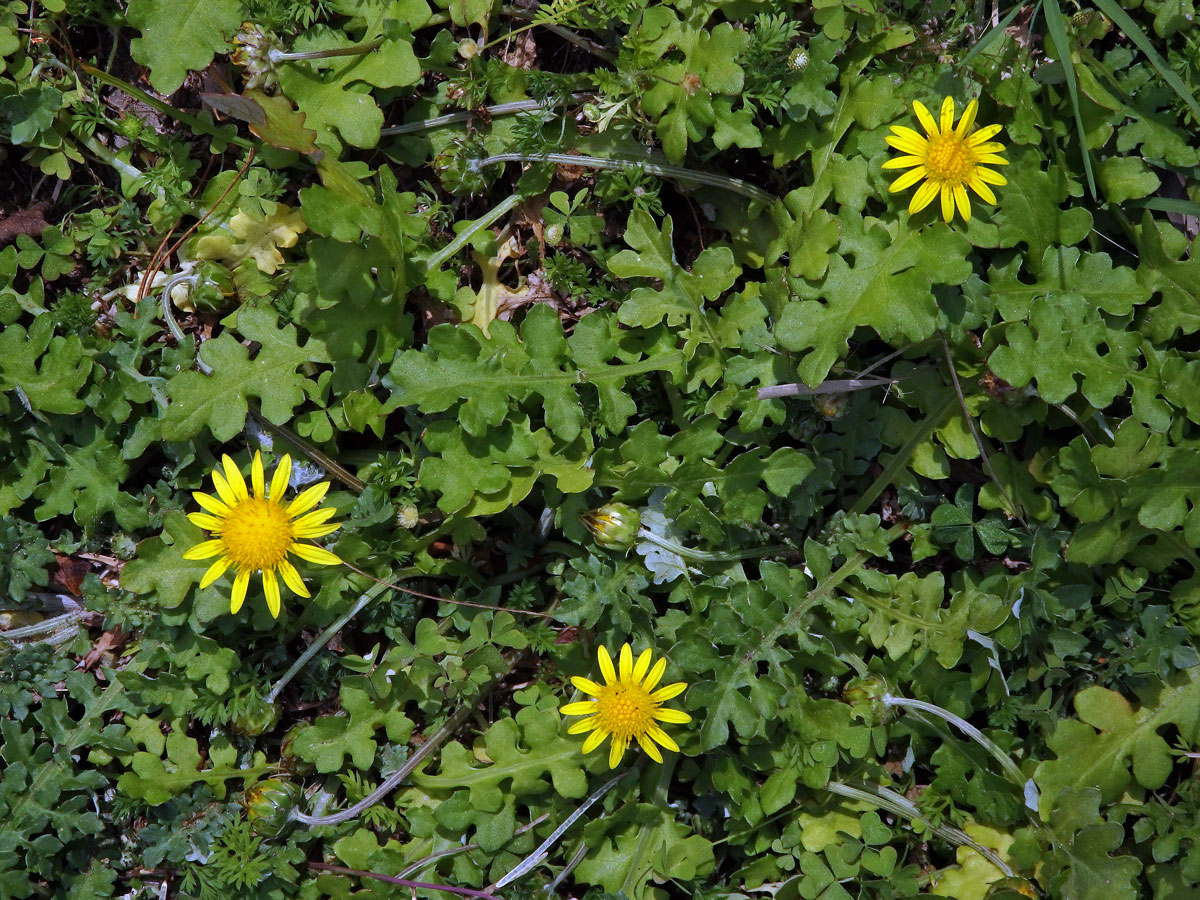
<point>322,639</point>
<point>111,159</point>
<point>394,780</point>
<point>670,546</point>
<point>1006,763</point>
<point>48,626</point>
<point>736,185</point>
<point>283,56</point>
<point>454,851</point>
<point>194,122</point>
<point>507,205</point>
<point>900,458</point>
<point>902,806</point>
<point>543,850</point>
<point>500,109</point>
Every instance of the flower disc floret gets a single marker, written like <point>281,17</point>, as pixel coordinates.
<point>626,707</point>
<point>254,531</point>
<point>950,160</point>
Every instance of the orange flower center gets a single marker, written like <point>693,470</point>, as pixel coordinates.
<point>625,710</point>
<point>949,158</point>
<point>257,534</point>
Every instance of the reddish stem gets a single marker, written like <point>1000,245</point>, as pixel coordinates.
<point>392,879</point>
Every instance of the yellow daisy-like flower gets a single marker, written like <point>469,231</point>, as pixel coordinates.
<point>950,159</point>
<point>256,532</point>
<point>626,706</point>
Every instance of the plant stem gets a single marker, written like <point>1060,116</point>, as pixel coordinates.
<point>1006,763</point>
<point>500,109</point>
<point>454,851</point>
<point>393,781</point>
<point>902,806</point>
<point>193,122</point>
<point>282,56</point>
<point>505,206</point>
<point>322,639</point>
<point>414,885</point>
<point>736,185</point>
<point>543,850</point>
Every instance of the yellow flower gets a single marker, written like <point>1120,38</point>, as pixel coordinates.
<point>626,706</point>
<point>255,533</point>
<point>950,159</point>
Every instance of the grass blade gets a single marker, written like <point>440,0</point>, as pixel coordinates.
<point>1143,43</point>
<point>1056,24</point>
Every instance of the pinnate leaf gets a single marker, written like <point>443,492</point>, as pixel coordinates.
<point>221,400</point>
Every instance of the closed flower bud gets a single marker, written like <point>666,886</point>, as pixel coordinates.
<point>614,525</point>
<point>258,717</point>
<point>865,695</point>
<point>1013,886</point>
<point>269,805</point>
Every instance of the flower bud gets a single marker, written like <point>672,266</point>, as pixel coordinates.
<point>865,695</point>
<point>258,717</point>
<point>614,525</point>
<point>1006,887</point>
<point>269,805</point>
<point>554,233</point>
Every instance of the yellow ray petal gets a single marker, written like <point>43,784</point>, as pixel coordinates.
<point>648,746</point>
<point>256,474</point>
<point>925,118</point>
<point>606,665</point>
<point>279,481</point>
<point>314,554</point>
<point>908,140</point>
<point>586,685</point>
<point>583,725</point>
<point>238,596</point>
<point>626,663</point>
<point>992,147</point>
<point>662,695</point>
<point>947,202</point>
<point>643,663</point>
<point>968,118</point>
<point>204,550</point>
<point>976,184</point>
<point>292,579</point>
<point>655,675</point>
<point>233,475</point>
<point>662,737</point>
<point>923,197</point>
<point>947,115</point>
<point>215,571</point>
<point>983,134</point>
<point>580,708</point>
<point>903,162</point>
<point>307,499</point>
<point>991,159</point>
<point>316,517</point>
<point>271,589</point>
<point>990,177</point>
<point>317,531</point>
<point>224,491</point>
<point>963,202</point>
<point>594,740</point>
<point>908,179</point>
<point>616,750</point>
<point>205,521</point>
<point>211,503</point>
<point>672,716</point>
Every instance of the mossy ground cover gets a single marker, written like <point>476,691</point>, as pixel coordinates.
<point>795,404</point>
